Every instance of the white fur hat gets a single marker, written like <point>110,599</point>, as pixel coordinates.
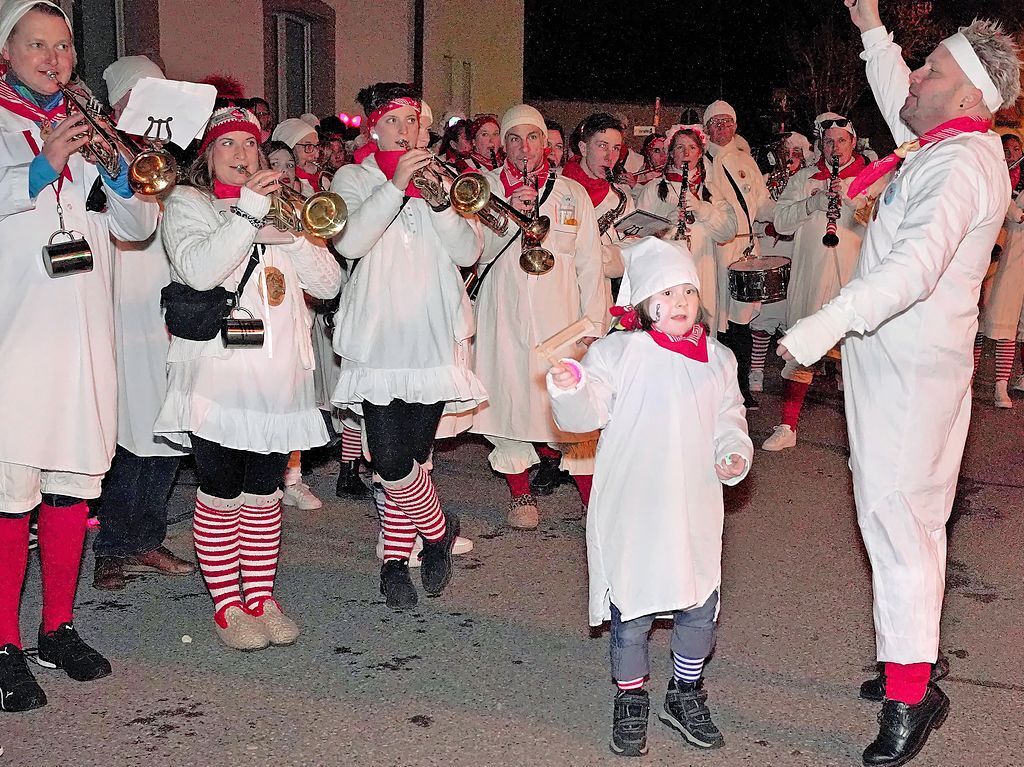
<point>292,131</point>
<point>654,265</point>
<point>719,108</point>
<point>522,114</point>
<point>125,73</point>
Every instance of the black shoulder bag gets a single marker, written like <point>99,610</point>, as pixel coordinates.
<point>197,314</point>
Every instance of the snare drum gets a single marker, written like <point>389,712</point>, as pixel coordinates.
<point>759,279</point>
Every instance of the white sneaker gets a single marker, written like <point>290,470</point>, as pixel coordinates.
<point>1018,385</point>
<point>462,546</point>
<point>756,379</point>
<point>781,438</point>
<point>300,496</point>
<point>1002,397</point>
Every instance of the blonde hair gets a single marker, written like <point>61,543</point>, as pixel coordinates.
<point>999,55</point>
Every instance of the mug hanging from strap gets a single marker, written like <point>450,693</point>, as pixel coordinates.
<point>73,255</point>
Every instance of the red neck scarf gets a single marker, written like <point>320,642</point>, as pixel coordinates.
<point>1015,178</point>
<point>512,178</point>
<point>485,162</point>
<point>388,162</point>
<point>853,168</point>
<point>694,345</point>
<point>597,188</point>
<point>13,101</point>
<point>224,191</point>
<point>694,178</point>
<point>313,179</point>
<point>879,168</point>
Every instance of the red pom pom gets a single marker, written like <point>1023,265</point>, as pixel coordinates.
<point>227,86</point>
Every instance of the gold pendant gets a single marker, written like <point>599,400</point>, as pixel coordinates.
<point>274,280</point>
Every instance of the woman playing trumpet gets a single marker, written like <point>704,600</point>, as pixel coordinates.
<point>242,409</point>
<point>402,332</point>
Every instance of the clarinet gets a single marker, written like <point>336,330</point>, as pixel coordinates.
<point>684,214</point>
<point>831,239</point>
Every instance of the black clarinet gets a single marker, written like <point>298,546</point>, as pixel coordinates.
<point>831,239</point>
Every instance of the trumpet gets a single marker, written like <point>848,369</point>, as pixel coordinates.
<point>323,214</point>
<point>151,168</point>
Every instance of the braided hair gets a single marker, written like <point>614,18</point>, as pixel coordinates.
<point>698,140</point>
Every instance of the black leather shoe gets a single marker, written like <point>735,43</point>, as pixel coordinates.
<point>64,649</point>
<point>436,558</point>
<point>19,690</point>
<point>396,585</point>
<point>903,730</point>
<point>547,477</point>
<point>874,689</point>
<point>349,483</point>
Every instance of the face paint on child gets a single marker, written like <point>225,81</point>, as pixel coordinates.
<point>675,310</point>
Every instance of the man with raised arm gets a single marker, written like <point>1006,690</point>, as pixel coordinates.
<point>908,317</point>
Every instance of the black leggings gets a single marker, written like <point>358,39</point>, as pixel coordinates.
<point>227,473</point>
<point>741,341</point>
<point>398,434</point>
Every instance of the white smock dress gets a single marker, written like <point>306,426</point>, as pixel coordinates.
<point>1003,318</point>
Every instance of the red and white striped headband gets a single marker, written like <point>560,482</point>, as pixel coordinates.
<point>383,109</point>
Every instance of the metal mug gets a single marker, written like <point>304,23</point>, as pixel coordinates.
<point>241,332</point>
<point>64,258</point>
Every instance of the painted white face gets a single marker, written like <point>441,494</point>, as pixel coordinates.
<point>674,310</point>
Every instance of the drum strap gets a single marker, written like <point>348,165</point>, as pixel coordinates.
<point>743,202</point>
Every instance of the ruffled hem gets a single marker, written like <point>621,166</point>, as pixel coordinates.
<point>456,386</point>
<point>240,429</point>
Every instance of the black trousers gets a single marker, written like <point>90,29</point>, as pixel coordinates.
<point>133,504</point>
<point>741,341</point>
<point>227,473</point>
<point>398,434</point>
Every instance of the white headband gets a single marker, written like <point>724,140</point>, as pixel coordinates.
<point>963,52</point>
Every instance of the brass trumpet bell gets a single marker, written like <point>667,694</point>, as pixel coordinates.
<point>536,260</point>
<point>324,214</point>
<point>152,172</point>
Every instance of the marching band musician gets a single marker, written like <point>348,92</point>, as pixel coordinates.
<point>516,311</point>
<point>133,505</point>
<point>302,139</point>
<point>401,331</point>
<point>908,317</point>
<point>556,145</point>
<point>59,387</point>
<point>484,133</point>
<point>714,219</point>
<point>600,146</point>
<point>732,170</point>
<point>655,154</point>
<point>456,145</point>
<point>818,271</point>
<point>242,410</point>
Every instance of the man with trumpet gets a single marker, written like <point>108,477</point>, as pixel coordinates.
<point>523,301</point>
<point>59,388</point>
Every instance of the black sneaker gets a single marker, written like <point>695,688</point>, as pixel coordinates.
<point>686,711</point>
<point>350,485</point>
<point>547,477</point>
<point>396,585</point>
<point>64,649</point>
<point>629,723</point>
<point>874,689</point>
<point>904,729</point>
<point>19,690</point>
<point>436,558</point>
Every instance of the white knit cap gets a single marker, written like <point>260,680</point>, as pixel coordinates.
<point>834,116</point>
<point>426,114</point>
<point>292,131</point>
<point>654,265</point>
<point>798,141</point>
<point>11,12</point>
<point>310,119</point>
<point>522,114</point>
<point>718,108</point>
<point>125,73</point>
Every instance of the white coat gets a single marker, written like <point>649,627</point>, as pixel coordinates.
<point>1004,311</point>
<point>744,172</point>
<point>59,381</point>
<point>911,311</point>
<point>655,546</point>
<point>715,222</point>
<point>140,271</point>
<point>255,399</point>
<point>516,311</point>
<point>611,242</point>
<point>818,272</point>
<point>404,321</point>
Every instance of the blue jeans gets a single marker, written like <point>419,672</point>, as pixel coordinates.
<point>693,636</point>
<point>133,504</point>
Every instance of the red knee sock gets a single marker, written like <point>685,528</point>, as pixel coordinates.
<point>978,341</point>
<point>545,451</point>
<point>351,444</point>
<point>259,547</point>
<point>61,535</point>
<point>13,560</point>
<point>416,496</point>
<point>518,484</point>
<point>1005,351</point>
<point>399,532</point>
<point>216,532</point>
<point>584,483</point>
<point>794,402</point>
<point>908,682</point>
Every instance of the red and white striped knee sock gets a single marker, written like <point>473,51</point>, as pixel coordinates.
<point>351,444</point>
<point>216,531</point>
<point>259,546</point>
<point>979,341</point>
<point>759,350</point>
<point>399,531</point>
<point>630,684</point>
<point>415,496</point>
<point>1005,351</point>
